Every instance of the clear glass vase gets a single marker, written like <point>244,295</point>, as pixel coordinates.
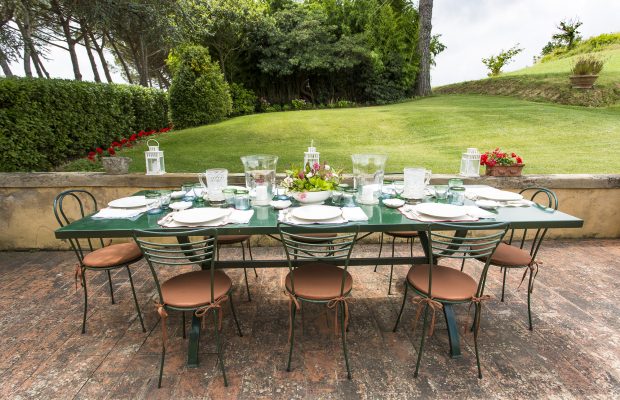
<point>260,177</point>
<point>368,171</point>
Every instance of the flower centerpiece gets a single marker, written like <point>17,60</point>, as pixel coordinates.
<point>500,163</point>
<point>311,184</point>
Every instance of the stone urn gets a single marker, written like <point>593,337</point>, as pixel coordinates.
<point>116,165</point>
<point>505,170</point>
<point>583,81</point>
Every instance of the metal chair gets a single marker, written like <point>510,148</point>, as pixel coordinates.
<point>436,285</point>
<point>409,235</point>
<point>198,291</point>
<point>315,277</point>
<point>241,239</point>
<point>515,254</point>
<point>93,254</point>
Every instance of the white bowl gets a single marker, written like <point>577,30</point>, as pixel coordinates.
<point>280,204</point>
<point>394,203</point>
<point>312,197</point>
<point>180,205</point>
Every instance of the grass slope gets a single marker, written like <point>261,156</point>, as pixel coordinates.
<point>548,81</point>
<point>431,132</point>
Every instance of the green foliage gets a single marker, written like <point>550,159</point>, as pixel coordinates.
<point>300,104</point>
<point>593,44</point>
<point>243,100</point>
<point>587,65</point>
<point>45,122</point>
<point>496,63</point>
<point>569,33</point>
<point>198,94</point>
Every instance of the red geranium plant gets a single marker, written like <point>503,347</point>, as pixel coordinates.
<point>499,157</point>
<point>122,142</point>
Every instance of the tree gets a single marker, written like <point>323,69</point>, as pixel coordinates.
<point>568,35</point>
<point>496,63</point>
<point>423,81</point>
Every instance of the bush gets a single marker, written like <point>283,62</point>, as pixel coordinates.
<point>243,100</point>
<point>299,104</point>
<point>46,122</point>
<point>588,65</point>
<point>199,93</point>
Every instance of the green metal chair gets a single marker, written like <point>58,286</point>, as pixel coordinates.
<point>437,285</point>
<point>409,236</point>
<point>93,254</point>
<point>315,277</point>
<point>200,291</point>
<point>238,239</point>
<point>518,252</point>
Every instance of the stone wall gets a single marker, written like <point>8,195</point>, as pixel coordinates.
<point>27,220</point>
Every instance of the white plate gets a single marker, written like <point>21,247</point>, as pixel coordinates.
<point>180,205</point>
<point>393,203</point>
<point>129,202</point>
<point>441,210</point>
<point>317,212</point>
<point>498,195</point>
<point>200,215</point>
<point>489,204</point>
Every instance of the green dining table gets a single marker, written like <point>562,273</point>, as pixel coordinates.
<point>265,220</point>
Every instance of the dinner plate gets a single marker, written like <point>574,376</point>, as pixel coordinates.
<point>498,195</point>
<point>130,202</point>
<point>441,210</point>
<point>317,212</point>
<point>200,215</point>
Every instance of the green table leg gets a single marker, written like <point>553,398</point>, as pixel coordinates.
<point>194,341</point>
<point>453,331</point>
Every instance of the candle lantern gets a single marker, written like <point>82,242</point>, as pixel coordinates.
<point>311,156</point>
<point>470,163</point>
<point>154,159</point>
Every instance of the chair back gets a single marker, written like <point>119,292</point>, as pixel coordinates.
<point>300,245</point>
<point>480,246</point>
<point>200,252</point>
<point>70,206</point>
<point>546,199</point>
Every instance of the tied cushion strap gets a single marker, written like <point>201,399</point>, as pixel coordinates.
<point>216,305</point>
<point>345,302</point>
<point>161,310</point>
<point>292,302</point>
<point>78,275</point>
<point>422,303</point>
<point>533,268</point>
<point>478,301</point>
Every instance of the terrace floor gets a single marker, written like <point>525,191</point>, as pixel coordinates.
<point>573,352</point>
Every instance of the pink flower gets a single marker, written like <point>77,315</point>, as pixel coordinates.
<point>301,175</point>
<point>316,166</point>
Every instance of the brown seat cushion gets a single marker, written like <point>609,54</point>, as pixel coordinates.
<point>318,281</point>
<point>403,234</point>
<point>193,289</point>
<point>231,239</point>
<point>315,237</point>
<point>510,256</point>
<point>115,254</point>
<point>448,283</point>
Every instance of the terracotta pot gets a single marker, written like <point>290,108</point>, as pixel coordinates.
<point>505,170</point>
<point>116,165</point>
<point>583,81</point>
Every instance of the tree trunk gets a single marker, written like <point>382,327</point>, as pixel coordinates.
<point>66,28</point>
<point>99,50</point>
<point>6,69</point>
<point>120,58</point>
<point>423,81</point>
<point>144,71</point>
<point>89,51</point>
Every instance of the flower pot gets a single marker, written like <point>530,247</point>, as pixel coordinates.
<point>505,170</point>
<point>116,165</point>
<point>312,197</point>
<point>583,81</point>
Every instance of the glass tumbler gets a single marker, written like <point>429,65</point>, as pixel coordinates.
<point>229,197</point>
<point>441,193</point>
<point>165,196</point>
<point>242,200</point>
<point>153,201</point>
<point>457,195</point>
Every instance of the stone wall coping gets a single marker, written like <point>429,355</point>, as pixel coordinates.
<point>100,179</point>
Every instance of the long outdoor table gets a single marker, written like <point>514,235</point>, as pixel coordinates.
<point>265,220</point>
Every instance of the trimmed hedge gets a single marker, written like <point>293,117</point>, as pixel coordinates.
<point>46,122</point>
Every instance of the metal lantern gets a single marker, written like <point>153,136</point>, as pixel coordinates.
<point>470,163</point>
<point>311,156</point>
<point>154,159</point>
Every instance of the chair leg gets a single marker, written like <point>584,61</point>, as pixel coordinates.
<point>290,351</point>
<point>380,249</point>
<point>232,308</point>
<point>417,365</point>
<point>220,356</point>
<point>462,264</point>
<point>251,257</point>
<point>135,299</point>
<point>504,283</point>
<point>529,300</point>
<point>111,287</point>
<point>402,307</point>
<point>476,328</point>
<point>245,273</point>
<point>161,365</point>
<point>391,267</point>
<point>344,339</point>
<point>85,300</point>
<point>183,323</point>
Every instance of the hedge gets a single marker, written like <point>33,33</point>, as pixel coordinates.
<point>46,122</point>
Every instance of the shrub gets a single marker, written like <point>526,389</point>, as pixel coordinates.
<point>496,63</point>
<point>299,104</point>
<point>199,93</point>
<point>46,122</point>
<point>243,100</point>
<point>588,65</point>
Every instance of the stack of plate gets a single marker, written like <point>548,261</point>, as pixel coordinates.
<point>440,211</point>
<point>130,202</point>
<point>316,213</point>
<point>201,216</point>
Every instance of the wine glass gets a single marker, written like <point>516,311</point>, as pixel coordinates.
<point>399,187</point>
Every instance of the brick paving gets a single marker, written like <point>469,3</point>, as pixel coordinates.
<point>573,352</point>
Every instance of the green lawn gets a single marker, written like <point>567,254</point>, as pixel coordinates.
<point>431,132</point>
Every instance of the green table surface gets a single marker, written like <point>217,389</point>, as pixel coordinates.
<point>265,220</point>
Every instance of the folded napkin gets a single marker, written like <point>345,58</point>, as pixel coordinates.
<point>478,212</point>
<point>235,217</point>
<point>354,214</point>
<point>119,213</point>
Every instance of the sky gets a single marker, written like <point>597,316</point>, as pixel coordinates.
<point>471,30</point>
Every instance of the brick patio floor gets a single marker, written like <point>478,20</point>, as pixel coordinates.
<point>573,352</point>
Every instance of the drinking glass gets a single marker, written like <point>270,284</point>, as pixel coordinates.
<point>242,200</point>
<point>399,187</point>
<point>457,195</point>
<point>229,197</point>
<point>441,193</point>
<point>165,197</point>
<point>153,201</point>
<point>348,198</point>
<point>416,180</point>
<point>188,188</point>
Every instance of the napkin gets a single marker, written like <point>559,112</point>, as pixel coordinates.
<point>119,213</point>
<point>354,214</point>
<point>240,216</point>
<point>478,212</point>
<point>235,217</point>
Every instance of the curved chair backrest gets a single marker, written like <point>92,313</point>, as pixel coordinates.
<point>480,246</point>
<point>199,252</point>
<point>70,206</point>
<point>300,247</point>
<point>547,200</point>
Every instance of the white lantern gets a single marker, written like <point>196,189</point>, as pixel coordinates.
<point>154,159</point>
<point>311,156</point>
<point>470,163</point>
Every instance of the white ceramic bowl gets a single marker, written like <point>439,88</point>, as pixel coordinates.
<point>394,203</point>
<point>180,205</point>
<point>280,204</point>
<point>312,197</point>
